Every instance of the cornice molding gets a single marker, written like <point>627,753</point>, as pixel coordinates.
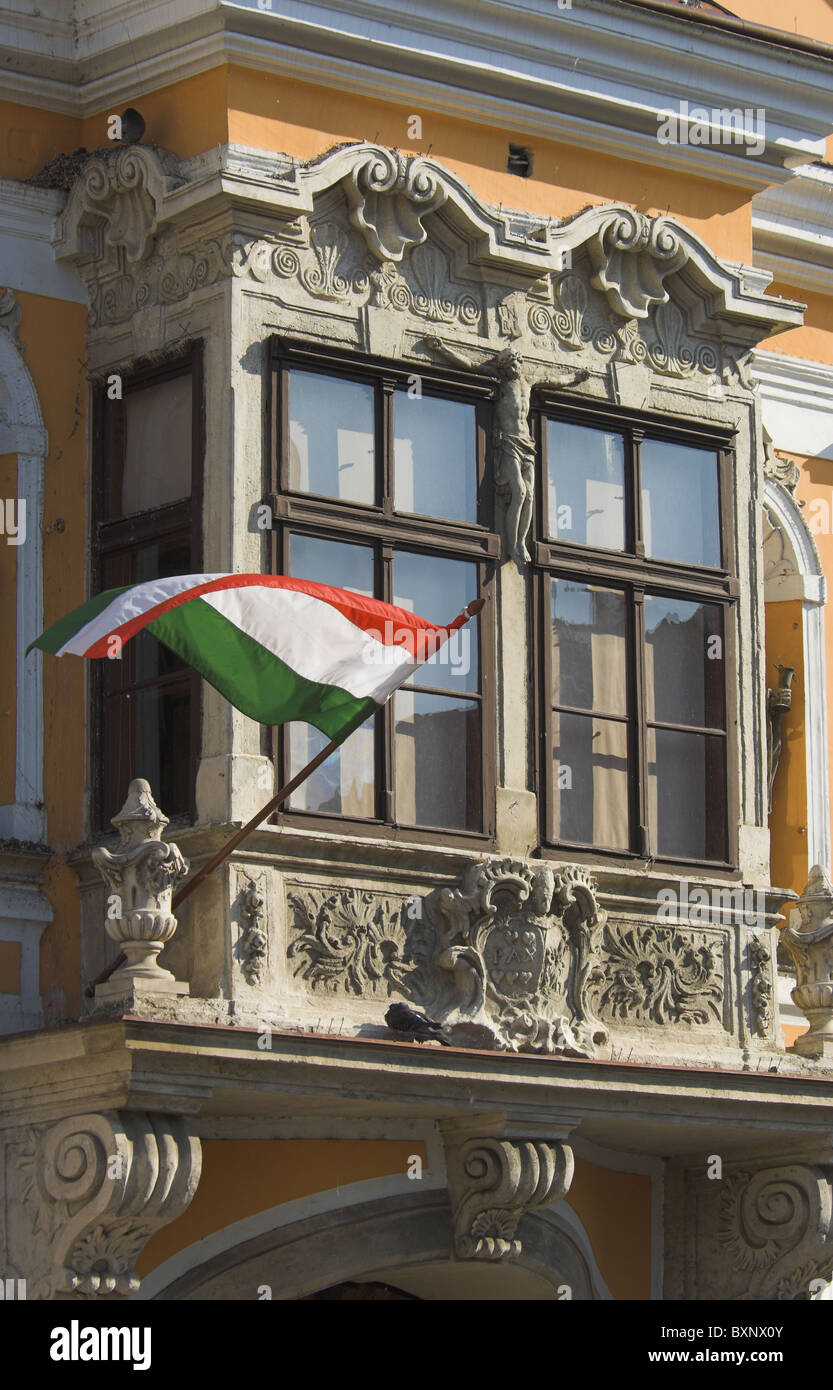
<point>124,200</point>
<point>593,73</point>
<point>797,400</point>
<point>792,228</point>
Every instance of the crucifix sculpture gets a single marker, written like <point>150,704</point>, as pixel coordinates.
<point>514,446</point>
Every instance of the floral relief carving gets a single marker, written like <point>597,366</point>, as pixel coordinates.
<point>254,939</point>
<point>348,941</point>
<point>659,974</point>
<point>333,272</point>
<point>760,960</point>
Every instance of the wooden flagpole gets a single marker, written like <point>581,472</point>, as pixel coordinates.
<point>240,835</point>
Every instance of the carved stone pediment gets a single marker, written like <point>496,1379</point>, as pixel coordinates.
<point>398,205</point>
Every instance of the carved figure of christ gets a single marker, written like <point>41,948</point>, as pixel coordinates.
<point>514,446</point>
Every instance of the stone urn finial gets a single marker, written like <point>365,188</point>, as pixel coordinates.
<point>140,875</point>
<point>809,940</point>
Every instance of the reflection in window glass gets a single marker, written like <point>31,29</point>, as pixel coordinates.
<point>437,758</point>
<point>338,563</point>
<point>588,647</point>
<point>687,794</point>
<point>684,662</point>
<point>586,500</point>
<point>345,784</point>
<point>439,589</point>
<point>590,781</point>
<point>435,463</point>
<point>680,503</point>
<point>157,445</point>
<point>331,437</point>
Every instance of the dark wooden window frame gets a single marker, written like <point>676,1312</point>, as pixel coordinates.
<point>635,574</point>
<point>386,530</point>
<point>113,537</point>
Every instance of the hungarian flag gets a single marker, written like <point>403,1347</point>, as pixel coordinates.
<point>277,648</point>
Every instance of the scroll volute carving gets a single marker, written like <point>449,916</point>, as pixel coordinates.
<point>494,1182</point>
<point>389,196</point>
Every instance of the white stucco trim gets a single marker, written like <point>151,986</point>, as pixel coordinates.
<point>22,432</point>
<point>806,582</point>
<point>797,402</point>
<point>27,226</point>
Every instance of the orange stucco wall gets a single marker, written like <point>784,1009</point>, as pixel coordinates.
<point>788,822</point>
<point>615,1210</point>
<point>243,1177</point>
<point>278,114</point>
<point>811,18</point>
<point>814,339</point>
<point>9,967</point>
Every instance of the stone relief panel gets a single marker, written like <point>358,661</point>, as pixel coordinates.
<point>660,974</point>
<point>521,957</point>
<point>759,1233</point>
<point>347,941</point>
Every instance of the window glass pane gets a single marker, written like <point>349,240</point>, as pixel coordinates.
<point>439,589</point>
<point>687,794</point>
<point>588,647</point>
<point>437,756</point>
<point>684,662</point>
<point>157,445</point>
<point>345,784</point>
<point>331,437</point>
<point>680,507</point>
<point>586,501</point>
<point>148,735</point>
<point>590,781</point>
<point>338,563</point>
<point>435,463</point>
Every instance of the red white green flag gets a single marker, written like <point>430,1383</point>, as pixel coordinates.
<point>278,648</point>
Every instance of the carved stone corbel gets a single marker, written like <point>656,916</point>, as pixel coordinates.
<point>494,1182</point>
<point>775,1229</point>
<point>809,941</point>
<point>87,1193</point>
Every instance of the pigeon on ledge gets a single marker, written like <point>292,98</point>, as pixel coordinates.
<point>413,1026</point>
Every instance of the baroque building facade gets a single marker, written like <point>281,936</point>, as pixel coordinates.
<point>594,845</point>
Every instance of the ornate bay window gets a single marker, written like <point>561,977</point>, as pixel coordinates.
<point>637,602</point>
<point>382,486</point>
